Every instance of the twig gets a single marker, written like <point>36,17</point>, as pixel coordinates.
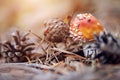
<point>67,52</point>
<point>28,59</point>
<point>55,57</point>
<point>35,35</point>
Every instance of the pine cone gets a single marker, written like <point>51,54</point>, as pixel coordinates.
<point>17,48</point>
<point>57,30</point>
<point>110,47</point>
<point>106,49</point>
<point>91,50</point>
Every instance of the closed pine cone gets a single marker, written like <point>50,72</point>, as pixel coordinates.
<point>57,30</point>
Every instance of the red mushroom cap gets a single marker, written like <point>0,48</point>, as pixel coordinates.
<point>84,26</point>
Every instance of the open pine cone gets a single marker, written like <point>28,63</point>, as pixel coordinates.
<point>57,30</point>
<point>110,47</point>
<point>106,49</point>
<point>16,49</point>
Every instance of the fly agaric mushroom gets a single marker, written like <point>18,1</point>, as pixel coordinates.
<point>84,26</point>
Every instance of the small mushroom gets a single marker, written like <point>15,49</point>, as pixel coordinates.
<point>84,26</point>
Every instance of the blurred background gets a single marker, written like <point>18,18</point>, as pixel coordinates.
<point>30,14</point>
